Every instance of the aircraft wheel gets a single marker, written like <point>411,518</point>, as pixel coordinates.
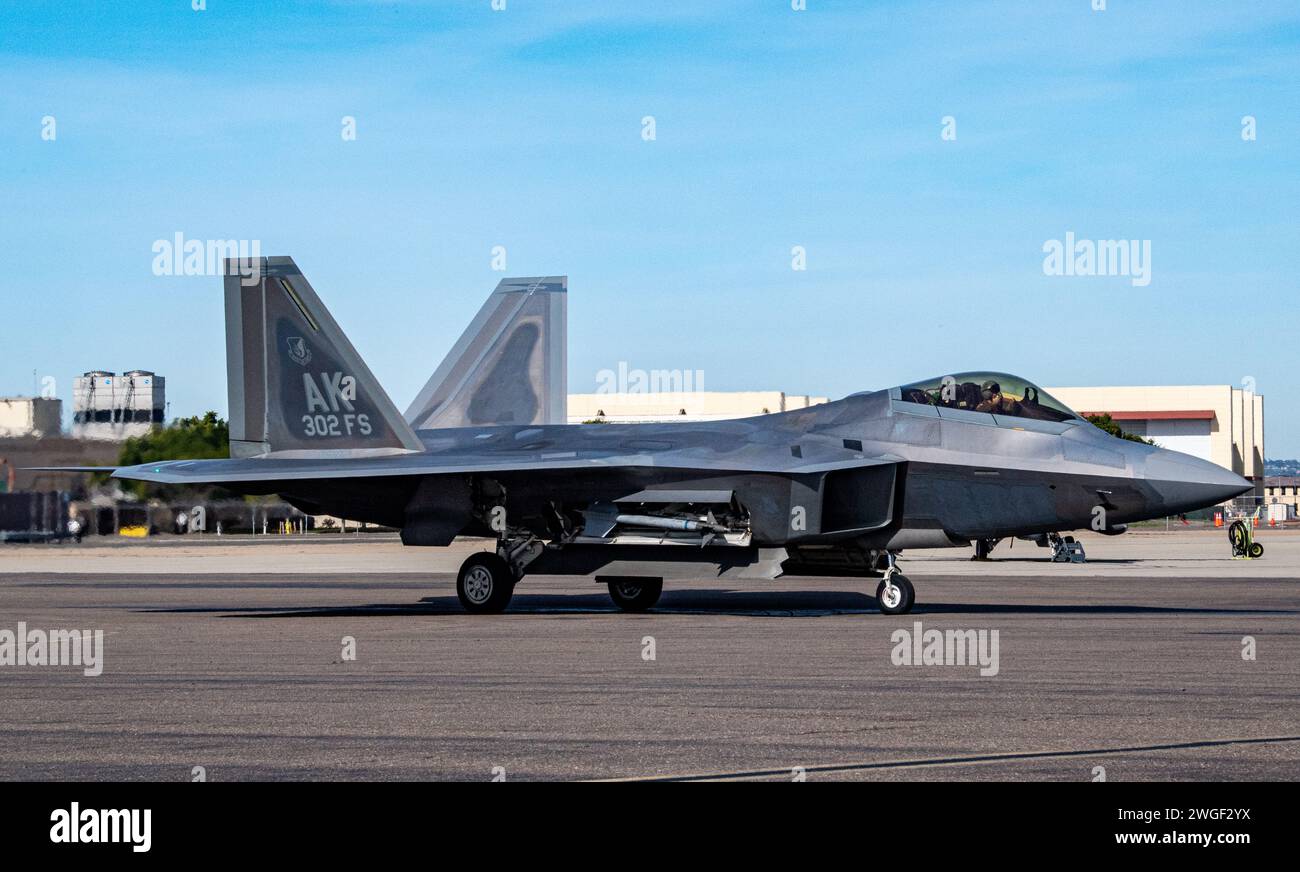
<point>895,595</point>
<point>1256,550</point>
<point>485,583</point>
<point>636,594</point>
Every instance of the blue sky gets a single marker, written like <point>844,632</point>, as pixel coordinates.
<point>774,128</point>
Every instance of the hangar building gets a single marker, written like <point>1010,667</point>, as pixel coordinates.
<point>1218,423</point>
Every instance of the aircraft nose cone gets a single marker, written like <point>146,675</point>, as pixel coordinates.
<point>1187,483</point>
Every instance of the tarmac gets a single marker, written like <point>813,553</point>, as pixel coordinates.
<point>1159,659</point>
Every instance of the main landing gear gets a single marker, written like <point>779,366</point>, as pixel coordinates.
<point>895,595</point>
<point>486,581</point>
<point>634,594</point>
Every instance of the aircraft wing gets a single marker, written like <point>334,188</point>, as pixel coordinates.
<point>271,468</point>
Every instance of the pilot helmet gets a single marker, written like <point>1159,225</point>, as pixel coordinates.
<point>990,389</point>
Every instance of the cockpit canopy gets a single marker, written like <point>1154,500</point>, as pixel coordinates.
<point>996,393</point>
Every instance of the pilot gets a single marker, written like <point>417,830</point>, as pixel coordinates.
<point>994,402</point>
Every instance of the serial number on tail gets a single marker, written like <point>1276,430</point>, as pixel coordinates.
<point>326,426</point>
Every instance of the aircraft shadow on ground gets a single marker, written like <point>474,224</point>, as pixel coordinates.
<point>808,604</point>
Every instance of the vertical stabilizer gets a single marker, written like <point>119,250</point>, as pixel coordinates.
<point>510,366</point>
<point>295,381</point>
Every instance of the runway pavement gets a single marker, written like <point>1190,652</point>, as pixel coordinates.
<point>229,655</point>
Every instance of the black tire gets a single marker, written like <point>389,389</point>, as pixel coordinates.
<point>905,601</point>
<point>1256,550</point>
<point>485,584</point>
<point>636,594</point>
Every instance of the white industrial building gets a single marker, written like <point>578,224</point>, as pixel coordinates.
<point>116,407</point>
<point>30,417</point>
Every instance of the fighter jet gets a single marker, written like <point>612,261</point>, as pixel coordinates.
<point>837,489</point>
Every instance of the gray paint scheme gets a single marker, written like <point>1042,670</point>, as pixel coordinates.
<point>869,472</point>
<point>295,382</point>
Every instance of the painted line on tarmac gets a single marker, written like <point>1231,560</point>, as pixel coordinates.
<point>739,775</point>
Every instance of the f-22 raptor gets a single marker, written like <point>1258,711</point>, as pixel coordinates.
<point>835,489</point>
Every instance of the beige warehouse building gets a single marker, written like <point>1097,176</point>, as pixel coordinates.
<point>1218,423</point>
<point>1283,490</point>
<point>649,408</point>
<point>35,417</point>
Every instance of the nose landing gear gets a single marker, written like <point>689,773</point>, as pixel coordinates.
<point>895,594</point>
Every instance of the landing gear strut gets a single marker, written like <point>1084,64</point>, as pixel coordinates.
<point>983,547</point>
<point>895,595</point>
<point>486,582</point>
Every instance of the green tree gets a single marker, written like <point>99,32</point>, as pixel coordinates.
<point>205,437</point>
<point>1105,422</point>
